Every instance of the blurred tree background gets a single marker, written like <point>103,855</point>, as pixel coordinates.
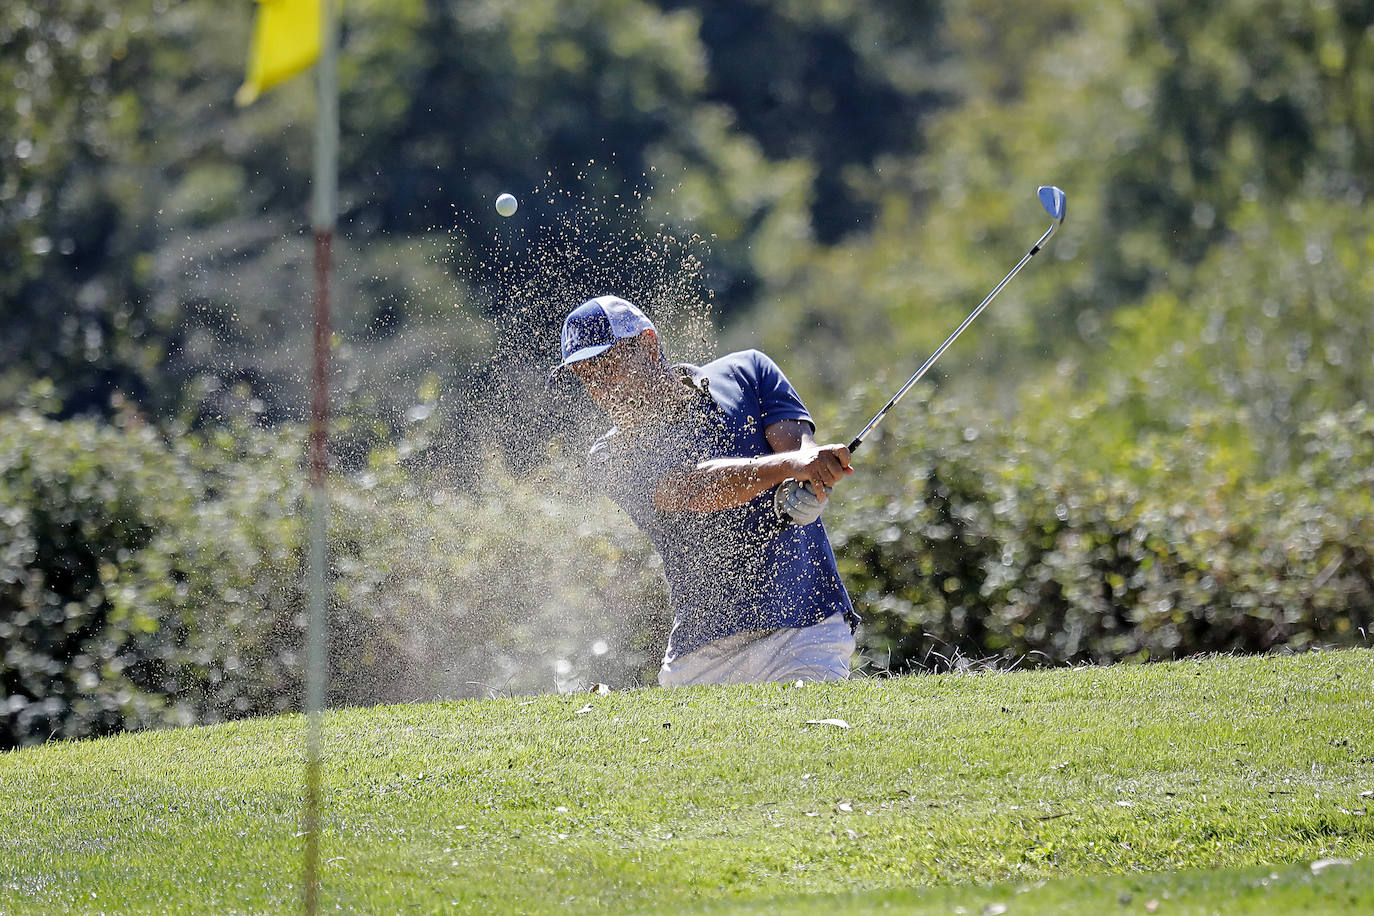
<point>1157,442</point>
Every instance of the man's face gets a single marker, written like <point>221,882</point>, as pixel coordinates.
<point>617,380</point>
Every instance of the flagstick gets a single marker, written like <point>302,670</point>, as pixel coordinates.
<point>324,206</point>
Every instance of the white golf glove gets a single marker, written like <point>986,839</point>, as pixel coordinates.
<point>795,502</point>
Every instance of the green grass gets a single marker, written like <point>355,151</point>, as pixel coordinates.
<point>1198,787</point>
<point>1293,889</point>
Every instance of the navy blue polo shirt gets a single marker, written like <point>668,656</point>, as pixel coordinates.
<point>734,569</point>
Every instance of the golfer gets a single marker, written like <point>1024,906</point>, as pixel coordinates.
<point>693,457</point>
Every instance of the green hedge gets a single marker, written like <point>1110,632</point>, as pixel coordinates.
<point>151,579</point>
<point>962,542</point>
<point>142,583</point>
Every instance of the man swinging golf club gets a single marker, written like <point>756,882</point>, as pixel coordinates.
<point>694,456</point>
<point>718,465</point>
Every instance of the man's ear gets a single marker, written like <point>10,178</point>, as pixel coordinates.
<point>648,340</point>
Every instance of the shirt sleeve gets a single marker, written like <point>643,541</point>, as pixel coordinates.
<point>778,400</point>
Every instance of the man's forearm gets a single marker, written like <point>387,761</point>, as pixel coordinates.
<point>722,483</point>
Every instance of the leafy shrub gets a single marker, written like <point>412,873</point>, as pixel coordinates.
<point>962,540</point>
<point>150,580</point>
<point>142,582</point>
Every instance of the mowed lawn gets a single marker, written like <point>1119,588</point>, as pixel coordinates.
<point>1230,785</point>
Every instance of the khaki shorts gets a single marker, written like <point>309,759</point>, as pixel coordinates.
<point>816,653</point>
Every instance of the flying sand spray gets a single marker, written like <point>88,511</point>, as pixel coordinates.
<point>475,600</point>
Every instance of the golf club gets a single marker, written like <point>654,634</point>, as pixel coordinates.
<point>1055,203</point>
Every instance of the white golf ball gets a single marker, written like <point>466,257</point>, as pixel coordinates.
<point>506,204</point>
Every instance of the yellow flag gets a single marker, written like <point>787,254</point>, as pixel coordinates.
<point>286,40</point>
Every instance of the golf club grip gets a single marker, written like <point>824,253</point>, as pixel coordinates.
<point>854,446</point>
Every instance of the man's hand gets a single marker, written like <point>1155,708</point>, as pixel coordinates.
<point>796,502</point>
<point>822,466</point>
<point>815,469</point>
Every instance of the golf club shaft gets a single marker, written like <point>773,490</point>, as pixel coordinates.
<point>858,440</point>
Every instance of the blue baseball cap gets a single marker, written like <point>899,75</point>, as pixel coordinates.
<point>594,326</point>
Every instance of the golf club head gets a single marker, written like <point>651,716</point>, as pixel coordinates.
<point>1054,201</point>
